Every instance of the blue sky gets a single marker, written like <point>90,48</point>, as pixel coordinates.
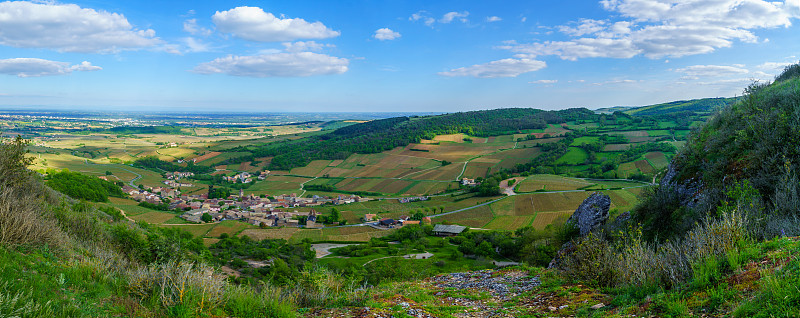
<point>441,56</point>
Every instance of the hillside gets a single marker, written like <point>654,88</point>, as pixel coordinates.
<point>703,105</point>
<point>386,134</point>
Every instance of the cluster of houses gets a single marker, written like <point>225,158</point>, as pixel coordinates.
<point>246,177</point>
<point>248,208</point>
<point>173,179</point>
<point>468,182</point>
<point>412,199</point>
<point>390,223</point>
<point>243,177</point>
<point>177,175</point>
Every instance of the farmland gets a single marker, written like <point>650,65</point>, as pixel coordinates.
<point>573,155</point>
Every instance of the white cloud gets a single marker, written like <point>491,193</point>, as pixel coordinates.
<point>194,29</point>
<point>252,23</point>
<point>611,82</point>
<point>195,45</point>
<point>775,66</point>
<point>493,18</point>
<point>579,48</point>
<point>544,82</point>
<point>738,82</point>
<point>299,64</point>
<point>33,67</point>
<point>499,68</point>
<point>450,16</point>
<point>69,28</point>
<point>698,71</point>
<point>585,26</point>
<point>307,46</point>
<point>386,34</point>
<point>422,16</point>
<point>667,28</point>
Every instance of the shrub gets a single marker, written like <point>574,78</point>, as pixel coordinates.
<point>178,286</point>
<point>319,287</point>
<point>22,222</point>
<point>263,301</point>
<point>631,261</point>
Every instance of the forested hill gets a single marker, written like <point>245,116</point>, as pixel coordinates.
<point>703,105</point>
<point>386,134</point>
<point>749,149</point>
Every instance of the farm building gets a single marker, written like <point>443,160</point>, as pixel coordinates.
<point>448,230</point>
<point>387,222</point>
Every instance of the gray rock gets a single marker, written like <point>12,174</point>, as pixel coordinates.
<point>621,222</point>
<point>592,213</point>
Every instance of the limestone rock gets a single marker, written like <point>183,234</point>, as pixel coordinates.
<point>592,213</point>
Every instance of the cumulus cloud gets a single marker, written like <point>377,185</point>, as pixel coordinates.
<point>698,71</point>
<point>33,67</point>
<point>500,68</point>
<point>300,64</point>
<point>579,48</point>
<point>493,18</point>
<point>450,16</point>
<point>69,28</point>
<point>193,28</point>
<point>252,23</point>
<point>386,34</point>
<point>666,28</point>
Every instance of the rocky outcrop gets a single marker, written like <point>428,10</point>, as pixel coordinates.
<point>593,212</point>
<point>688,192</point>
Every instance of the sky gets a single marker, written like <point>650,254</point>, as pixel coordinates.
<point>387,56</point>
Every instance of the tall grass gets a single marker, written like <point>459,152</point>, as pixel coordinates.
<point>179,285</point>
<point>319,287</point>
<point>22,304</point>
<point>631,261</point>
<point>21,221</point>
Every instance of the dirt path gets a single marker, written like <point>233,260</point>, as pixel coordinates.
<point>324,249</point>
<point>509,189</point>
<point>407,256</point>
<point>121,211</point>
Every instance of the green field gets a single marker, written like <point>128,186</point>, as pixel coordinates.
<point>574,156</point>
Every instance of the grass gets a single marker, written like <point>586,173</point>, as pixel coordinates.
<point>292,234</point>
<point>229,227</point>
<point>551,183</point>
<point>154,217</point>
<point>198,230</point>
<point>574,156</point>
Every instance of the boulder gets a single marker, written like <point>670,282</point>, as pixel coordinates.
<point>593,212</point>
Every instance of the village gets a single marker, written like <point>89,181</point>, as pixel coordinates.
<point>256,210</point>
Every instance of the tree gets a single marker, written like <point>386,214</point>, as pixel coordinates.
<point>13,162</point>
<point>335,216</point>
<point>206,217</point>
<point>484,249</point>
